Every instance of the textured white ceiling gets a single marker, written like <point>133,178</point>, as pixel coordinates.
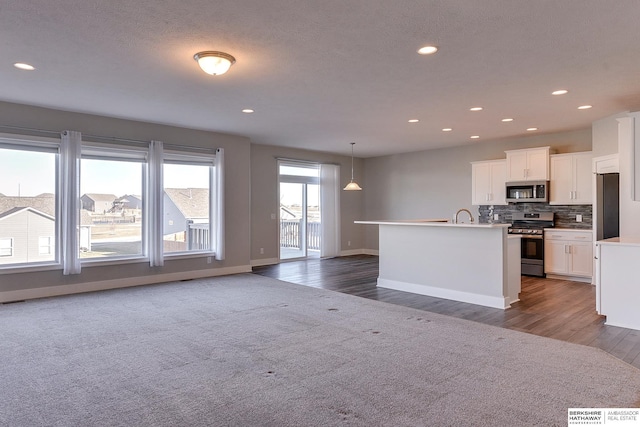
<point>322,74</point>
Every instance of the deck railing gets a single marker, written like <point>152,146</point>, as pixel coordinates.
<point>291,237</point>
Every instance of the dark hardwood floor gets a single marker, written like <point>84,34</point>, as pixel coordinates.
<point>559,309</point>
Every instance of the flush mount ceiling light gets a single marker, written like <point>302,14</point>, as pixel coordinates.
<point>23,66</point>
<point>508,119</point>
<point>248,111</point>
<point>584,107</point>
<point>427,50</point>
<point>531,129</point>
<point>559,92</point>
<point>447,129</point>
<point>414,121</point>
<point>352,186</point>
<point>214,63</point>
<point>475,109</point>
<point>474,136</point>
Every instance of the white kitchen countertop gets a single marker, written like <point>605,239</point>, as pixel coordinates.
<point>575,230</point>
<point>623,241</point>
<point>433,223</point>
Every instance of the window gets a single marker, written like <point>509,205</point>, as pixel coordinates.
<point>6,247</point>
<point>28,198</point>
<point>45,245</point>
<point>187,206</point>
<point>70,202</point>
<point>111,202</point>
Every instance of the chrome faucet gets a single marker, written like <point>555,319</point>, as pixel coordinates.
<point>463,210</point>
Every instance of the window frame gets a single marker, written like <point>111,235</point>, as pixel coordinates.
<point>117,149</point>
<point>201,159</point>
<point>38,145</point>
<point>10,247</point>
<point>122,153</point>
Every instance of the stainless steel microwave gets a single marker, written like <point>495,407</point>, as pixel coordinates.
<point>527,191</point>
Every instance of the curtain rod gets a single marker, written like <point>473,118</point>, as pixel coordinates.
<point>287,159</point>
<point>98,138</point>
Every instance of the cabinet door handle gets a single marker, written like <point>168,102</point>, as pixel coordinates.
<point>566,249</point>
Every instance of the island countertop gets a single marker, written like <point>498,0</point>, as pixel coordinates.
<point>432,223</point>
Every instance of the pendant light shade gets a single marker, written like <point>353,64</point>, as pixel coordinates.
<point>214,63</point>
<point>352,186</point>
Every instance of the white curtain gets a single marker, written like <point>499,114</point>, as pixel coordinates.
<point>329,210</point>
<point>154,209</point>
<point>217,207</point>
<point>70,152</point>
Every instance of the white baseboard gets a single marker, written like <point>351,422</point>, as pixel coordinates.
<point>572,278</point>
<point>358,252</point>
<point>264,261</point>
<point>415,288</point>
<point>76,288</point>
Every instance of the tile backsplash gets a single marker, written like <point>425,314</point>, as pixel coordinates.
<point>565,215</point>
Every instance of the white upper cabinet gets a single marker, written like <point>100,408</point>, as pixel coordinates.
<point>531,164</point>
<point>571,179</point>
<point>488,182</point>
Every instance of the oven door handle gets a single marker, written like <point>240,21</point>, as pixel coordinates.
<point>531,236</point>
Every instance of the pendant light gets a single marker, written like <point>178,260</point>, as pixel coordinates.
<point>352,186</point>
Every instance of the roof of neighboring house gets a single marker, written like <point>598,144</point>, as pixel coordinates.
<point>16,210</point>
<point>45,203</point>
<point>97,197</point>
<point>192,202</point>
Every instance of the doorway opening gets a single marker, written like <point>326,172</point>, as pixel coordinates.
<point>299,212</point>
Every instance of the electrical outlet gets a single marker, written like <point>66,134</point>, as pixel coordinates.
<point>349,243</point>
<point>208,260</point>
<point>496,217</point>
<point>578,218</point>
<point>273,216</point>
<point>261,251</point>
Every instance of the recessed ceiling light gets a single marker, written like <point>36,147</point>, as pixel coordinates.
<point>427,50</point>
<point>559,92</point>
<point>23,66</point>
<point>584,107</point>
<point>474,136</point>
<point>475,109</point>
<point>531,129</point>
<point>508,119</point>
<point>414,121</point>
<point>248,110</point>
<point>447,130</point>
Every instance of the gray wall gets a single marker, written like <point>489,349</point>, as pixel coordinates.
<point>605,135</point>
<point>264,198</point>
<point>436,183</point>
<point>237,190</point>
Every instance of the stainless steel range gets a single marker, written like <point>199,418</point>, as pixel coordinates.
<point>531,226</point>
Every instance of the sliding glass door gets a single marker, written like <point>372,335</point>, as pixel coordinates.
<point>299,215</point>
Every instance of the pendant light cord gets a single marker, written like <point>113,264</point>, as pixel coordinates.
<point>352,144</point>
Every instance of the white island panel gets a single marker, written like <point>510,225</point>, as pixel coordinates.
<point>618,286</point>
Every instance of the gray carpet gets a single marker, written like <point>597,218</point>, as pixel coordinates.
<point>246,350</point>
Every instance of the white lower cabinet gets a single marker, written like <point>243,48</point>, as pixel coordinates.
<point>569,252</point>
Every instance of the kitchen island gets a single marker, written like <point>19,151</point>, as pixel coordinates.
<point>473,263</point>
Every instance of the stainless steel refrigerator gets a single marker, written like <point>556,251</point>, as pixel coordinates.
<point>608,205</point>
